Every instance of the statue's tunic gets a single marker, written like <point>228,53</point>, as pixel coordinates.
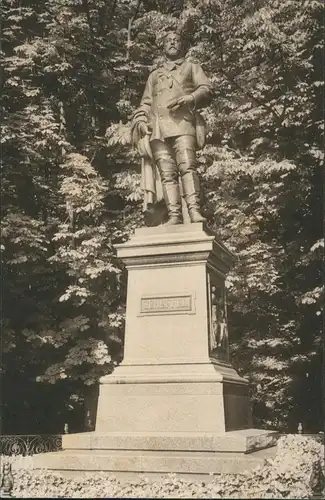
<point>170,81</point>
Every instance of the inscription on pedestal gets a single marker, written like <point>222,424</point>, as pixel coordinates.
<point>167,304</point>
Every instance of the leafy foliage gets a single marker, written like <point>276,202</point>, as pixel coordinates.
<point>73,72</point>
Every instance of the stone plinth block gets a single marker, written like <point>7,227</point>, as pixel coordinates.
<point>244,441</point>
<point>176,375</point>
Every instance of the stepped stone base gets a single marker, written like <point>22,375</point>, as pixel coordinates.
<point>148,462</point>
<point>163,453</point>
<point>175,403</point>
<point>243,441</point>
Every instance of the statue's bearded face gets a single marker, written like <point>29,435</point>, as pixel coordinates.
<point>173,46</point>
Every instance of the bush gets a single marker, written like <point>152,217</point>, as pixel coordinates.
<point>287,475</point>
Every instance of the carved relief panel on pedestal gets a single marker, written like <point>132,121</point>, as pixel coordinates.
<point>218,326</point>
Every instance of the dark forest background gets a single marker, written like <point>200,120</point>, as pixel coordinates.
<point>72,73</point>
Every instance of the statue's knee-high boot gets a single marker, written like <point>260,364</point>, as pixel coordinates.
<point>191,189</point>
<point>173,201</point>
<point>169,178</point>
<point>186,159</point>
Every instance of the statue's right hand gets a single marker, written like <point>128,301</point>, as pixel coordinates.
<point>143,129</point>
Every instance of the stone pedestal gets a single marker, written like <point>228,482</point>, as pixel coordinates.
<point>175,376</point>
<point>174,404</point>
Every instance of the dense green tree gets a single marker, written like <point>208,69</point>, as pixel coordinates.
<point>73,72</point>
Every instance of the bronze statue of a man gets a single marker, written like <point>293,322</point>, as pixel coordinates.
<point>168,117</point>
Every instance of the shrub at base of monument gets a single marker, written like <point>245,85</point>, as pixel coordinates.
<point>287,475</point>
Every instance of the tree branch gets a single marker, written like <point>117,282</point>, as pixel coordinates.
<point>111,14</point>
<point>91,29</point>
<point>131,21</point>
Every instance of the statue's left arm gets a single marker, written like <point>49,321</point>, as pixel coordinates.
<point>202,93</point>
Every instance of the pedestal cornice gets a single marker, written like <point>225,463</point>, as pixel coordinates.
<point>167,245</point>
